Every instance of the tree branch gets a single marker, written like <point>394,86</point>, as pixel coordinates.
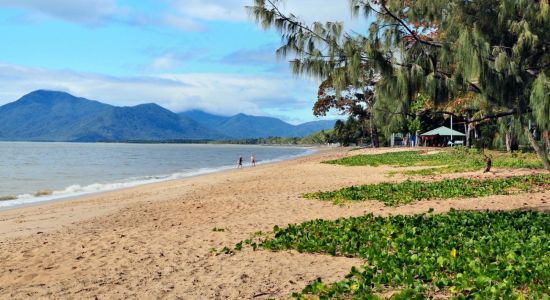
<point>296,23</point>
<point>500,115</point>
<point>411,32</point>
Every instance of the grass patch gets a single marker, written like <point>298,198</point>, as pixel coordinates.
<point>405,192</point>
<point>462,254</point>
<point>447,161</point>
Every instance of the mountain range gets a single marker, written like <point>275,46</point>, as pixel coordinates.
<point>243,126</point>
<point>58,116</point>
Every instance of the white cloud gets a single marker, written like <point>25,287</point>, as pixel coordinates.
<point>195,11</point>
<point>318,10</point>
<point>169,59</point>
<point>186,15</point>
<point>90,12</point>
<point>232,10</point>
<point>218,93</point>
<point>181,23</point>
<point>165,62</point>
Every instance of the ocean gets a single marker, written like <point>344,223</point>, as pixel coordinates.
<point>32,172</point>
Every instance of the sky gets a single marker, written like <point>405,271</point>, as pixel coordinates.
<point>180,54</point>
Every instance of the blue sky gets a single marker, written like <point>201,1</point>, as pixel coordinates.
<point>181,54</point>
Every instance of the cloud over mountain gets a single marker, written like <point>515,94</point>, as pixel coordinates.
<point>220,93</point>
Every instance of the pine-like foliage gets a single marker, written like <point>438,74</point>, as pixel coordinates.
<point>496,52</point>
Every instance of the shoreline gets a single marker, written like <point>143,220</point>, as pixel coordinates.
<point>90,207</point>
<point>157,241</point>
<point>61,195</point>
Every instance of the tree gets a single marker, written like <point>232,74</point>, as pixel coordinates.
<point>323,51</point>
<point>352,101</point>
<point>494,51</point>
<point>510,129</point>
<point>348,132</point>
<point>497,50</point>
<point>339,132</point>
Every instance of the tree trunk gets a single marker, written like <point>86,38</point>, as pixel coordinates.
<point>541,152</point>
<point>546,137</point>
<point>511,140</point>
<point>467,131</point>
<point>515,143</point>
<point>371,131</point>
<point>375,139</point>
<point>508,140</point>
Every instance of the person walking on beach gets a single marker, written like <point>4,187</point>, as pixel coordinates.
<point>253,160</point>
<point>240,165</point>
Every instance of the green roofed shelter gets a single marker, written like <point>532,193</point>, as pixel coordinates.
<point>443,131</point>
<point>442,136</point>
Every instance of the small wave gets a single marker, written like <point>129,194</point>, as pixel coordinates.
<point>77,190</point>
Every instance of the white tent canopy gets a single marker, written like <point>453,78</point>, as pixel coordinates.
<point>443,131</point>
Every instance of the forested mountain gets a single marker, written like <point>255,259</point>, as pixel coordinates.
<point>58,116</point>
<point>245,126</point>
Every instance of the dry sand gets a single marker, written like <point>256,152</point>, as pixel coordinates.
<point>155,241</point>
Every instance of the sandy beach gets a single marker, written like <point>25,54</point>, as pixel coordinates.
<point>156,241</point>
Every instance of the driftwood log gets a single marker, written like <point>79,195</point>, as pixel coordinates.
<point>488,164</point>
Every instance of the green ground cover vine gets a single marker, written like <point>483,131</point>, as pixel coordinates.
<point>393,194</point>
<point>461,254</point>
<point>447,161</point>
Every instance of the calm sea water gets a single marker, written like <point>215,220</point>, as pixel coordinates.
<point>59,170</point>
